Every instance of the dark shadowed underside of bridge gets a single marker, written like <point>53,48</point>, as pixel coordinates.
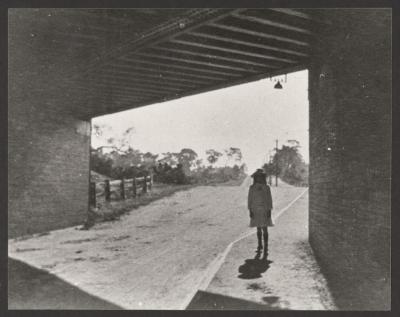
<point>116,59</point>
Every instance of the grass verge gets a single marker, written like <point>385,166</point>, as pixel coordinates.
<point>110,211</point>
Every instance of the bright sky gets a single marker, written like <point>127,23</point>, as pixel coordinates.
<point>249,116</point>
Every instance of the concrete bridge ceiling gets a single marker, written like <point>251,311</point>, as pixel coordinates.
<point>99,61</point>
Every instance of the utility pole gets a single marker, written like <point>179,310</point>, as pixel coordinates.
<point>276,164</point>
<point>270,174</point>
<point>269,156</point>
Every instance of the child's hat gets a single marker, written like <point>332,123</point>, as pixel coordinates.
<point>258,172</point>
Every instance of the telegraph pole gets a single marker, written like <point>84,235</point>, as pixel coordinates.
<point>276,164</point>
<point>269,166</point>
<point>270,174</point>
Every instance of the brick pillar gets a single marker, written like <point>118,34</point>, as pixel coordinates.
<point>48,136</point>
<point>350,152</point>
<point>48,169</point>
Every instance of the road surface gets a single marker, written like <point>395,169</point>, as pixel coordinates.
<point>154,257</point>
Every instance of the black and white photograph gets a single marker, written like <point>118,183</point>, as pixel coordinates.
<point>200,158</point>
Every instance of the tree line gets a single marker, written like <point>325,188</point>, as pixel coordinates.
<point>182,167</point>
<point>289,165</point>
<point>117,159</point>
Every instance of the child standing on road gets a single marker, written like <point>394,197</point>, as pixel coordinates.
<point>260,206</point>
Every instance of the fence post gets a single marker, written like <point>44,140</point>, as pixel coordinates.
<point>122,188</point>
<point>151,181</point>
<point>145,184</point>
<point>92,194</point>
<point>107,189</point>
<point>134,187</point>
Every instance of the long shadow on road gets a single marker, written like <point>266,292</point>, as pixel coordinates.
<point>31,288</point>
<point>253,268</point>
<point>210,301</point>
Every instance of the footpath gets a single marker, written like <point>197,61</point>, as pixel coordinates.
<point>288,279</point>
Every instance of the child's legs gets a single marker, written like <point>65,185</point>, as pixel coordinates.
<point>259,235</point>
<point>265,234</point>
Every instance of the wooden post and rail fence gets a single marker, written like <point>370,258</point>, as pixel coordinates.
<point>119,189</point>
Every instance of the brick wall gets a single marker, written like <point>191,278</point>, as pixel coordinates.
<point>48,146</point>
<point>48,166</point>
<point>350,153</point>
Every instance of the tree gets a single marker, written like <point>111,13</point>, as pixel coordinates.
<point>243,169</point>
<point>169,158</point>
<point>187,157</point>
<point>100,163</point>
<point>149,160</point>
<point>294,143</point>
<point>178,175</point>
<point>199,164</point>
<point>288,164</point>
<point>120,143</point>
<point>270,169</point>
<point>99,130</point>
<point>127,159</point>
<point>236,171</point>
<point>233,153</point>
<point>213,156</point>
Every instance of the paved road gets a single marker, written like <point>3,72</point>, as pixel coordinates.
<point>155,256</point>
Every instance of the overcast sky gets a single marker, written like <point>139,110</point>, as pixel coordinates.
<point>249,116</point>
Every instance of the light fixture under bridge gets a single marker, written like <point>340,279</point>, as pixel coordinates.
<point>278,85</point>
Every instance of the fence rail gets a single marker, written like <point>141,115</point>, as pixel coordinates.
<point>119,189</point>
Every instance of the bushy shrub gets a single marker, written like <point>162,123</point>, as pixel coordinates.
<point>164,173</point>
<point>101,164</point>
